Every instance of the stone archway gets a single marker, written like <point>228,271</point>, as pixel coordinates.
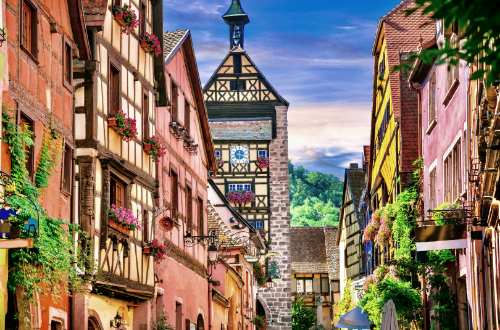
<point>94,322</point>
<point>263,312</point>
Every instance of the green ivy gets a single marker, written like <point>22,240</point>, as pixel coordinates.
<point>303,317</point>
<point>404,224</point>
<point>405,298</point>
<point>49,265</point>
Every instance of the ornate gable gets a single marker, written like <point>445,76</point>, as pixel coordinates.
<point>238,80</point>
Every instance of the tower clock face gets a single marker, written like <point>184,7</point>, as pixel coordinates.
<point>239,155</point>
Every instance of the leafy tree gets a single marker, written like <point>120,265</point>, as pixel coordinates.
<point>478,22</point>
<point>315,197</point>
<point>346,303</point>
<point>303,317</point>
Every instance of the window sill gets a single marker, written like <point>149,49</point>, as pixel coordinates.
<point>30,55</point>
<point>431,127</point>
<point>451,92</point>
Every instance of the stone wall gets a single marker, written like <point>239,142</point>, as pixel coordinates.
<point>277,296</point>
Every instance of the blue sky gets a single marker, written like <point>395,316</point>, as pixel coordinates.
<point>316,53</point>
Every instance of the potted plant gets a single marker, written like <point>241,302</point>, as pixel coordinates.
<point>262,162</point>
<point>150,43</point>
<point>122,219</point>
<point>154,148</point>
<point>157,249</point>
<point>126,17</point>
<point>123,125</point>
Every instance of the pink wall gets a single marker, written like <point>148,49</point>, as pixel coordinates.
<point>181,283</point>
<point>450,125</point>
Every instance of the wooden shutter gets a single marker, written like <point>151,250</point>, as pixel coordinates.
<point>187,116</point>
<point>145,115</point>
<point>175,102</point>
<point>174,194</point>
<point>189,209</point>
<point>114,90</point>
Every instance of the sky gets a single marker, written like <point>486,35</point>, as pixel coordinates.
<point>316,54</point>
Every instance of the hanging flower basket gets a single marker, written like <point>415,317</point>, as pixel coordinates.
<point>156,249</point>
<point>262,162</point>
<point>123,125</point>
<point>371,230</point>
<point>3,36</point>
<point>154,148</point>
<point>150,43</point>
<point>241,197</point>
<point>122,219</point>
<point>384,232</point>
<point>126,17</point>
<point>167,223</point>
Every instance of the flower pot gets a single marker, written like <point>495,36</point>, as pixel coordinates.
<point>118,227</point>
<point>112,122</point>
<point>147,47</point>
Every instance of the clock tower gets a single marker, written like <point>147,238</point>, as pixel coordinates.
<point>248,122</point>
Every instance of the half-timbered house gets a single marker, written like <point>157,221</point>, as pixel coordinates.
<point>115,174</point>
<point>248,121</point>
<point>183,129</point>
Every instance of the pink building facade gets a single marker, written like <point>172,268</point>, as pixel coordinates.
<point>183,178</point>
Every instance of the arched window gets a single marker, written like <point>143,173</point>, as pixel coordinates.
<point>200,323</point>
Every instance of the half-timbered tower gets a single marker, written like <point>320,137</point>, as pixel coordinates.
<point>115,183</point>
<point>248,121</point>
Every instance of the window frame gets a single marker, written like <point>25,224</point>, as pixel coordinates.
<point>117,68</point>
<point>201,216</point>
<point>30,159</point>
<point>243,184</point>
<point>174,102</point>
<point>189,209</point>
<point>142,17</point>
<point>187,116</point>
<point>218,154</point>
<point>67,71</point>
<point>113,194</point>
<point>145,115</point>
<point>67,187</point>
<point>265,151</point>
<point>32,51</point>
<point>432,103</point>
<point>174,194</point>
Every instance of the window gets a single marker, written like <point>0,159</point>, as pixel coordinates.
<point>187,116</point>
<point>27,124</point>
<point>178,316</point>
<point>218,154</point>
<point>117,2</point>
<point>189,209</point>
<point>68,63</point>
<point>384,125</point>
<point>237,63</point>
<point>452,74</point>
<point>117,192</point>
<point>325,284</point>
<point>381,68</point>
<point>304,285</point>
<point>174,193</point>
<point>237,85</point>
<point>114,89</point>
<point>175,101</point>
<point>67,169</point>
<point>258,224</point>
<point>432,189</point>
<point>145,115</point>
<point>29,28</point>
<point>142,19</point>
<point>240,187</point>
<point>262,153</point>
<point>56,325</point>
<point>201,217</point>
<point>145,226</point>
<point>453,174</point>
<point>432,99</point>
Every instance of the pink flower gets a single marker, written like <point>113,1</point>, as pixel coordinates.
<point>124,217</point>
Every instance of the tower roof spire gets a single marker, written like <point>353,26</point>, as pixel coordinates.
<point>236,13</point>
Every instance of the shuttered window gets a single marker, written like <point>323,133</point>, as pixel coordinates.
<point>29,28</point>
<point>114,89</point>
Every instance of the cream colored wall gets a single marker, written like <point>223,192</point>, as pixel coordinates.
<point>107,308</point>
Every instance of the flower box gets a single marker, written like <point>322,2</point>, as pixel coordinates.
<point>241,197</point>
<point>118,227</point>
<point>262,163</point>
<point>123,125</point>
<point>150,43</point>
<point>126,17</point>
<point>154,148</point>
<point>157,249</point>
<point>122,219</point>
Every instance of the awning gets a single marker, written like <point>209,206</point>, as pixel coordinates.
<point>354,319</point>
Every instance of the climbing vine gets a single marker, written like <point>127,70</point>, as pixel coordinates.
<point>49,265</point>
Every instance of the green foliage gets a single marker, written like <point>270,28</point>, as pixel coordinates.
<point>259,274</point>
<point>46,267</point>
<point>346,303</point>
<point>446,214</point>
<point>259,322</point>
<point>47,161</point>
<point>405,222</point>
<point>303,317</point>
<point>406,299</point>
<point>479,23</point>
<point>315,197</point>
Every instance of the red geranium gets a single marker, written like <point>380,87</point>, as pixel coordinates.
<point>150,43</point>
